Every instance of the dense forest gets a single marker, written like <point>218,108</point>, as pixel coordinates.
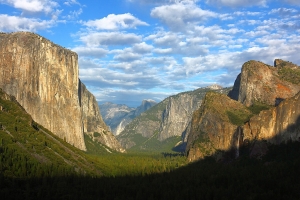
<point>35,164</point>
<point>275,176</point>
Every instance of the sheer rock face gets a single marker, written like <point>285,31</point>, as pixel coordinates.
<point>177,115</point>
<point>93,122</point>
<point>211,128</point>
<point>276,125</point>
<point>44,79</point>
<point>263,83</point>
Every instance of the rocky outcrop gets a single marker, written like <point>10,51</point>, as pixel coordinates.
<point>44,79</point>
<point>117,116</point>
<point>169,118</point>
<point>93,122</point>
<point>214,126</point>
<point>262,83</point>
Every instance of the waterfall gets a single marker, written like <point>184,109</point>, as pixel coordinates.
<point>239,141</point>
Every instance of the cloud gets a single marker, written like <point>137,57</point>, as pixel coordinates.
<point>132,97</point>
<point>285,12</point>
<point>71,2</point>
<point>293,2</point>
<point>246,13</point>
<point>109,78</point>
<point>33,6</point>
<point>110,38</point>
<point>90,51</point>
<point>127,56</point>
<point>160,2</point>
<point>142,48</point>
<point>163,51</point>
<point>237,3</point>
<point>14,23</point>
<point>115,22</point>
<point>74,14</point>
<point>161,61</point>
<point>176,43</point>
<point>167,40</point>
<point>181,16</point>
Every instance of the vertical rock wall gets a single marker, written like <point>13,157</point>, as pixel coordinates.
<point>44,79</point>
<point>177,115</point>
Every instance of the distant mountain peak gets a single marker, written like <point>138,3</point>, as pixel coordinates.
<point>117,116</point>
<point>149,100</point>
<point>214,87</point>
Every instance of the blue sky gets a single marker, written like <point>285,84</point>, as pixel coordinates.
<point>130,50</point>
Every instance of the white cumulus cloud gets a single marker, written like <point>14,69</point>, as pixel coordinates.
<point>293,2</point>
<point>90,51</point>
<point>33,6</point>
<point>115,22</point>
<point>110,38</point>
<point>237,3</point>
<point>180,16</point>
<point>14,23</point>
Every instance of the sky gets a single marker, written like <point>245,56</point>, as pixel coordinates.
<point>130,50</point>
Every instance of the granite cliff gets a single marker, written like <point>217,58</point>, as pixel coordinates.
<point>44,79</point>
<point>267,110</point>
<point>259,82</point>
<point>164,123</point>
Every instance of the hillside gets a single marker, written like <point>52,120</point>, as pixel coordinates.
<point>163,127</point>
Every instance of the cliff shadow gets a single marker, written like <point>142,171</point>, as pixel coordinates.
<point>234,93</point>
